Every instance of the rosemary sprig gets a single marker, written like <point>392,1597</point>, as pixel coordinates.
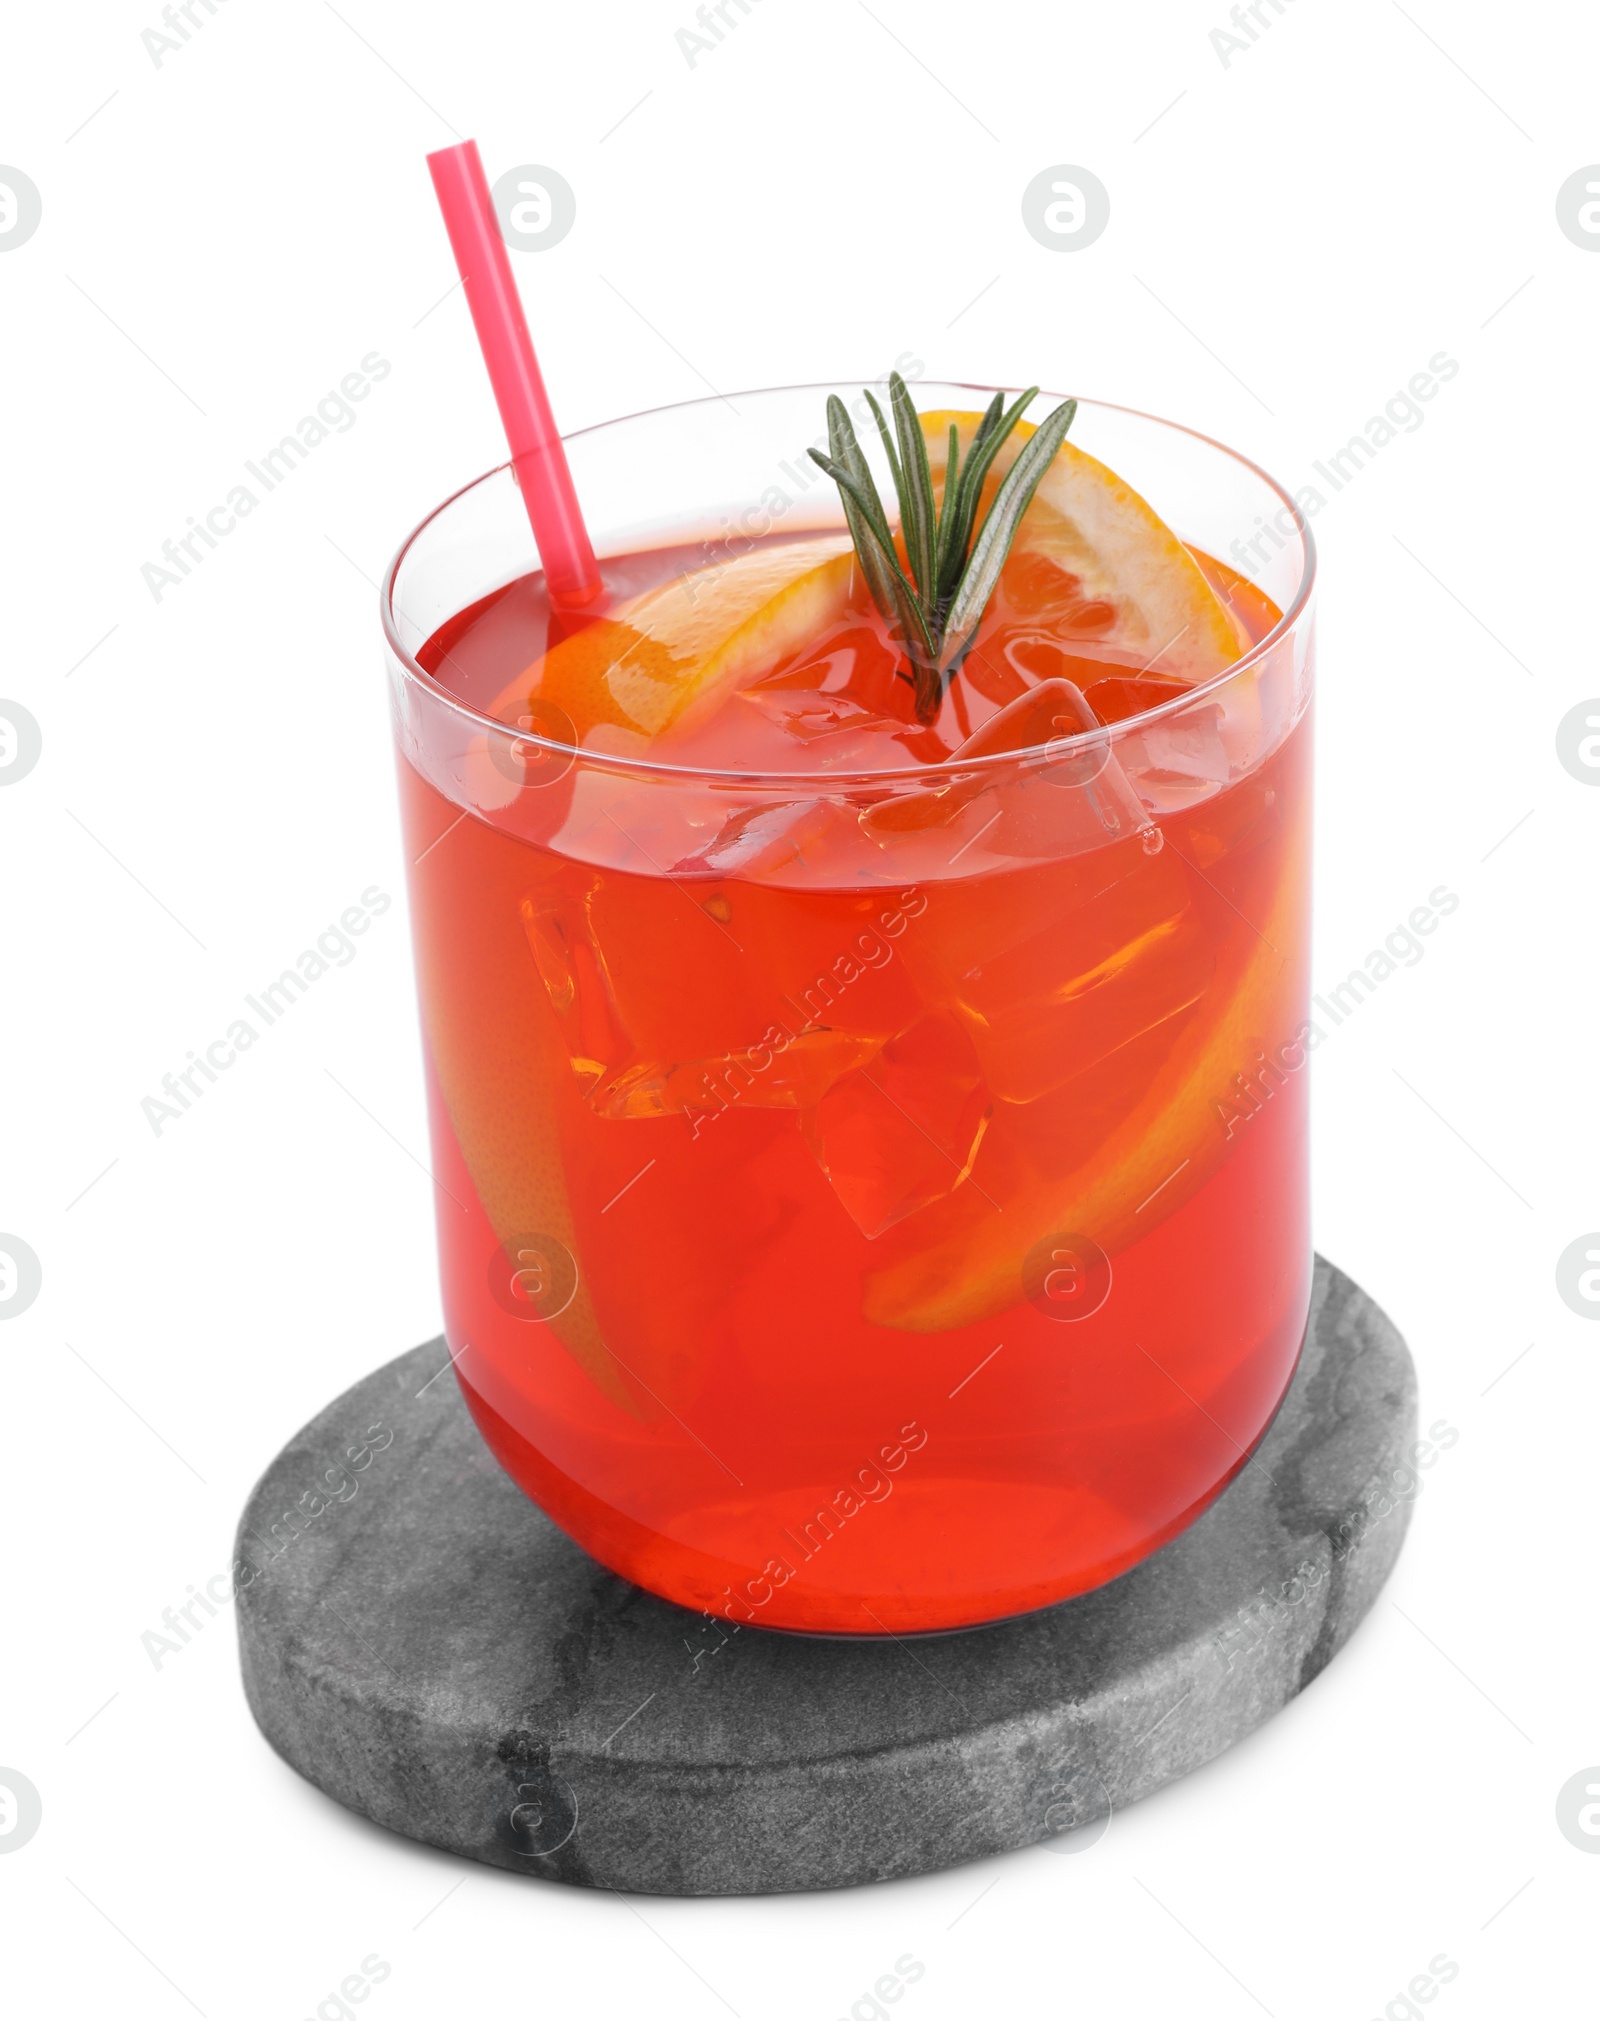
<point>954,561</point>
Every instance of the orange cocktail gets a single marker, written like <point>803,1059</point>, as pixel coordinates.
<point>868,1104</point>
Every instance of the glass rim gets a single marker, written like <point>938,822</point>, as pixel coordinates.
<point>903,777</point>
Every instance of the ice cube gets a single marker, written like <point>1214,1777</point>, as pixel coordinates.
<point>902,1131</point>
<point>674,995</point>
<point>1071,796</point>
<point>640,976</point>
<point>575,982</point>
<point>809,713</point>
<point>1088,982</point>
<point>780,1070</point>
<point>1239,819</point>
<point>1052,968</point>
<point>1045,715</point>
<point>755,841</point>
<point>1115,697</point>
<point>1039,717</point>
<point>1180,760</point>
<point>1090,772</point>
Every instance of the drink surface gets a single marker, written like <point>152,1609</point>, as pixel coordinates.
<point>867,1210</point>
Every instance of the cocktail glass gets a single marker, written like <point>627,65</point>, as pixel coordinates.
<point>868,1201</point>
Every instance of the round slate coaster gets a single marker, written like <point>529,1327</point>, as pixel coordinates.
<point>426,1646</point>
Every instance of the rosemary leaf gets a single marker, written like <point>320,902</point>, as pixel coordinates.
<point>999,530</point>
<point>937,600</point>
<point>896,470</point>
<point>980,460</point>
<point>952,468</point>
<point>917,525</point>
<point>965,501</point>
<point>847,452</point>
<point>905,605</point>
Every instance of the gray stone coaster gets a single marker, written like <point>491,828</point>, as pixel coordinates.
<point>423,1644</point>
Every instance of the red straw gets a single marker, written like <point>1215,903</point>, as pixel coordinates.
<point>536,452</point>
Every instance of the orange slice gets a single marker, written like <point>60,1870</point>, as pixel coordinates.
<point>1126,563</point>
<point>1173,1138</point>
<point>502,1068</point>
<point>641,667</point>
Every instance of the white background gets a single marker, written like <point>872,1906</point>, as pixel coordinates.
<point>1293,235</point>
